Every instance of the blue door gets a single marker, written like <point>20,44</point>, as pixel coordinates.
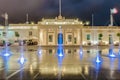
<point>60,38</point>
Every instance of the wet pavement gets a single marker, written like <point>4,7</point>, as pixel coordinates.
<point>48,66</point>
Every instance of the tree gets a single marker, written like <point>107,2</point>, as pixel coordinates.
<point>100,36</point>
<point>118,34</point>
<point>17,34</point>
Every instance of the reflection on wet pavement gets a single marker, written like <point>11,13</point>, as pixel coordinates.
<point>49,66</point>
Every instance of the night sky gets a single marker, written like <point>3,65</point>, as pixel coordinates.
<point>82,9</point>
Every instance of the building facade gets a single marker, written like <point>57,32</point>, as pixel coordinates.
<point>74,32</point>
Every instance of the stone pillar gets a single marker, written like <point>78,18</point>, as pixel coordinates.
<point>38,34</point>
<point>56,33</point>
<point>81,36</point>
<point>72,36</point>
<point>46,36</point>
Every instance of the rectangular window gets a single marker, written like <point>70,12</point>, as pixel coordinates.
<point>30,33</point>
<point>4,33</point>
<point>75,40</point>
<point>50,51</point>
<point>69,38</point>
<point>50,38</point>
<point>110,39</point>
<point>69,51</point>
<point>88,36</point>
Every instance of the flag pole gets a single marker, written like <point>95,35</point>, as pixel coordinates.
<point>27,17</point>
<point>59,7</point>
<point>111,18</point>
<point>6,19</point>
<point>60,10</point>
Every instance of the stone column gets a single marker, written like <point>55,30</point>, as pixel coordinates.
<point>46,36</point>
<point>73,36</point>
<point>81,36</point>
<point>56,33</point>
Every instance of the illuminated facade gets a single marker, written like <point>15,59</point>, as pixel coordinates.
<point>74,32</point>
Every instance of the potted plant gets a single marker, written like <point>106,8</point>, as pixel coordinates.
<point>118,35</point>
<point>17,35</point>
<point>100,38</point>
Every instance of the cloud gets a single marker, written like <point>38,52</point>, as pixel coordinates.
<point>49,8</point>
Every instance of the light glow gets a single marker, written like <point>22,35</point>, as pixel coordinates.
<point>111,53</point>
<point>22,60</point>
<point>40,52</point>
<point>81,50</point>
<point>60,54</point>
<point>6,54</point>
<point>98,60</point>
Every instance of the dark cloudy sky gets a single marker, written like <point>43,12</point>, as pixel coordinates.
<point>82,9</point>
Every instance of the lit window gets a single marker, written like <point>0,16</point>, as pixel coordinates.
<point>46,22</point>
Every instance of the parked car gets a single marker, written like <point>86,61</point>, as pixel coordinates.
<point>3,43</point>
<point>22,42</point>
<point>101,43</point>
<point>117,44</point>
<point>32,42</point>
<point>89,43</point>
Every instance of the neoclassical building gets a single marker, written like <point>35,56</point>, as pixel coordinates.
<point>74,32</point>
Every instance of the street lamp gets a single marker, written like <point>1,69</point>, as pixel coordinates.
<point>85,23</point>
